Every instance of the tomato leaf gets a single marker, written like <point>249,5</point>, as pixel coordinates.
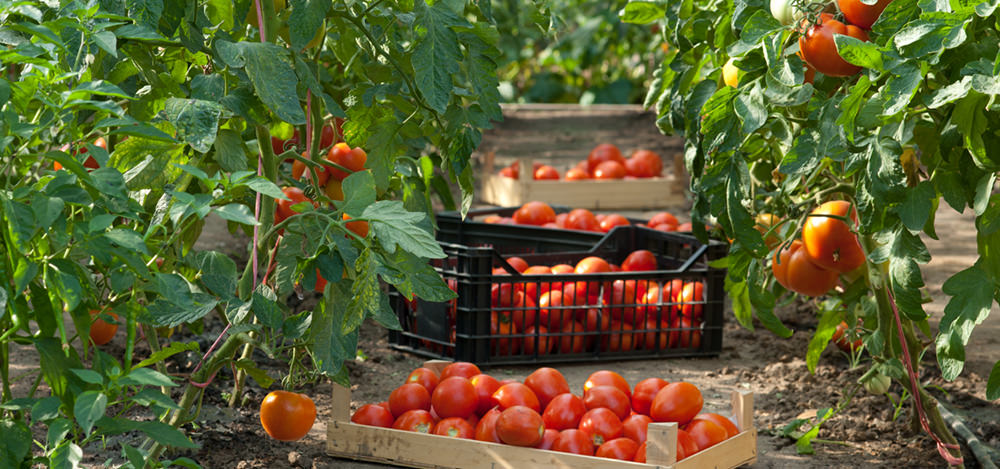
<point>273,76</point>
<point>165,434</point>
<point>412,275</point>
<point>359,193</point>
<point>861,53</point>
<point>993,385</point>
<point>739,294</point>
<point>828,322</point>
<point>88,408</point>
<point>971,292</point>
<point>395,226</point>
<point>899,90</point>
<point>437,54</point>
<point>365,292</point>
<point>258,375</point>
<point>750,109</point>
<point>66,455</point>
<point>305,21</point>
<point>229,152</point>
<point>147,376</point>
<point>266,308</point>
<point>760,25</point>
<point>916,209</point>
<point>238,213</point>
<point>331,346</point>
<point>168,351</point>
<point>642,12</point>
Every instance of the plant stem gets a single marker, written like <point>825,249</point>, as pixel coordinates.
<point>5,370</point>
<point>154,347</point>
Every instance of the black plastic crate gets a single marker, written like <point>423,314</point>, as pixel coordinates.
<point>472,327</point>
<point>511,239</point>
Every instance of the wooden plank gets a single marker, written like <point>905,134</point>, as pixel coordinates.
<point>636,194</point>
<point>420,450</point>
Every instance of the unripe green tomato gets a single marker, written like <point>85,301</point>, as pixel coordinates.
<point>784,12</point>
<point>878,384</point>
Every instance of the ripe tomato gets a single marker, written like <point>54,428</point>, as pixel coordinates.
<point>645,391</point>
<point>582,219</point>
<point>486,429</point>
<point>534,290</point>
<point>546,172</point>
<point>299,170</point>
<point>625,292</point>
<point>841,340</point>
<point>795,270</point>
<point>283,209</point>
<point>505,295</point>
<point>574,441</point>
<point>359,227</point>
<point>416,420</point>
<point>538,340</point>
<point>520,426</point>
<point>334,189</point>
<point>644,164</point>
<point>373,415</point>
<point>455,397</point>
<point>706,433</point>
<point>657,336</point>
<point>485,386</point>
<point>570,297</point>
<point>287,416</point>
<point>574,340</point>
<point>546,383</point>
<point>676,402</point>
<point>686,445</point>
<point>690,298</point>
<point>602,153</point>
<point>534,213</point>
<point>619,339</point>
<point>518,263</point>
<point>636,426</point>
<point>464,369</point>
<point>763,222</point>
<point>721,421</point>
<point>510,172</point>
<point>455,427</point>
<point>613,220</point>
<point>820,51</point>
<point>278,145</point>
<point>500,327</point>
<point>639,261</point>
<point>609,170</point>
<point>408,397</point>
<point>640,454</point>
<point>601,425</point>
<point>351,158</point>
<point>590,265</point>
<point>607,378</point>
<point>861,15</point>
<point>829,241</point>
<point>90,163</point>
<point>548,439</point>
<point>550,311</point>
<point>608,397</point>
<point>661,218</point>
<point>562,269</point>
<point>564,412</point>
<point>424,377</point>
<point>101,331</point>
<point>577,174</point>
<point>516,394</point>
<point>685,333</point>
<point>620,448</point>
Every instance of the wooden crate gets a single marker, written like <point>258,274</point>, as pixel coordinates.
<point>403,448</point>
<point>561,136</point>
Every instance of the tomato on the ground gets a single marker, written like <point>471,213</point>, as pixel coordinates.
<point>287,416</point>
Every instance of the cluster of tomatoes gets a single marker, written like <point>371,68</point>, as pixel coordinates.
<point>816,44</point>
<point>609,420</point>
<point>605,161</point>
<point>542,214</point>
<point>812,265</point>
<point>90,163</point>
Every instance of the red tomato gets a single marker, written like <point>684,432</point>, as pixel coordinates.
<point>860,14</point>
<point>683,227</point>
<point>657,336</point>
<point>520,426</point>
<point>602,153</point>
<point>685,333</point>
<point>662,217</point>
<point>538,340</point>
<point>342,154</point>
<point>644,164</point>
<point>577,174</point>
<point>597,321</point>
<point>546,172</point>
<point>590,265</point>
<point>278,146</point>
<point>841,341</point>
<point>534,290</point>
<point>424,377</point>
<point>486,429</point>
<point>550,313</point>
<point>548,439</point>
<point>829,241</point>
<point>620,448</point>
<point>416,420</point>
<point>639,261</point>
<point>283,209</point>
<point>574,441</point>
<point>723,422</point>
<point>299,170</point>
<point>620,339</point>
<point>625,292</point>
<point>601,425</point>
<point>516,394</point>
<point>706,433</point>
<point>455,427</point>
<point>464,369</point>
<point>518,263</point>
<point>510,172</point>
<point>676,402</point>
<point>564,412</point>
<point>101,331</point>
<point>569,296</point>
<point>501,328</point>
<point>636,426</point>
<point>686,445</point>
<point>607,378</point>
<point>409,396</point>
<point>582,219</point>
<point>455,397</point>
<point>562,269</point>
<point>690,298</point>
<point>359,228</point>
<point>546,383</point>
<point>485,386</point>
<point>795,270</point>
<point>534,213</point>
<point>373,415</point>
<point>668,227</point>
<point>613,220</point>
<point>609,170</point>
<point>608,397</point>
<point>385,405</point>
<point>506,295</point>
<point>819,50</point>
<point>572,343</point>
<point>560,220</point>
<point>645,391</point>
<point>522,313</point>
<point>640,454</point>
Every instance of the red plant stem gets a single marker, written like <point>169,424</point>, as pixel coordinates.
<point>942,447</point>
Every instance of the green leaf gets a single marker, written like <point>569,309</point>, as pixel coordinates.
<point>218,273</point>
<point>330,346</point>
<point>306,19</point>
<point>127,239</point>
<point>824,332</point>
<point>899,90</point>
<point>146,163</point>
<point>166,352</point>
<point>993,385</point>
<point>273,76</point>
<point>166,314</point>
<point>365,293</point>
<point>395,226</point>
<point>916,209</point>
<point>861,53</point>
<point>258,375</point>
<point>238,213</point>
<point>266,187</point>
<point>132,455</point>
<point>196,121</point>
<point>165,434</point>
<point>359,193</point>
<point>412,275</point>
<point>642,12</point>
<point>150,396</point>
<point>760,25</point>
<point>88,376</point>
<point>63,276</point>
<point>971,294</point>
<point>229,152</point>
<point>740,295</point>
<point>58,430</point>
<point>950,93</point>
<point>88,408</point>
<point>296,326</point>
<point>146,376</point>
<point>46,409</point>
<point>68,456</point>
<point>437,54</point>
<point>20,223</point>
<point>16,442</point>
<point>266,309</point>
<point>750,109</point>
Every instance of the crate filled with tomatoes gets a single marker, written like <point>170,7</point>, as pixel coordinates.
<point>455,415</point>
<point>637,292</point>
